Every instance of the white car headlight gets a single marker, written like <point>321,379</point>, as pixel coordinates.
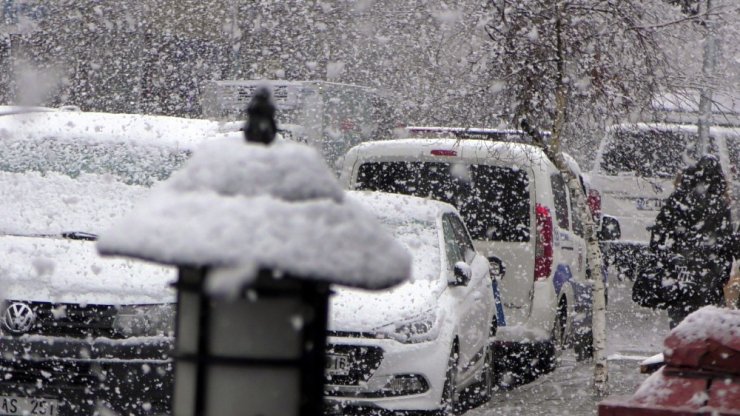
<point>145,320</point>
<point>423,327</point>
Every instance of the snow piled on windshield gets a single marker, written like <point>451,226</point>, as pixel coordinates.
<point>289,217</point>
<point>51,203</point>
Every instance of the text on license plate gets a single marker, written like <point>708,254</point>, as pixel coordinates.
<point>10,405</point>
<point>337,365</point>
<point>649,204</point>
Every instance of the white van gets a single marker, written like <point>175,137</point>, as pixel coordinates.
<point>635,169</point>
<point>517,207</point>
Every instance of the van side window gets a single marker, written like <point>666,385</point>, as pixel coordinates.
<point>561,200</point>
<point>577,224</point>
<point>493,201</point>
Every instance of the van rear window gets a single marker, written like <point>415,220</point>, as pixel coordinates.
<point>650,153</point>
<point>493,201</point>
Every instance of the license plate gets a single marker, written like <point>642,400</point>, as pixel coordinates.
<point>649,204</point>
<point>337,365</point>
<point>11,405</point>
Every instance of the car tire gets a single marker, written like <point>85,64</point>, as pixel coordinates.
<point>559,337</point>
<point>489,377</point>
<point>450,397</point>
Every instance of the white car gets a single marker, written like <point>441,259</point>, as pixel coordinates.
<point>517,207</point>
<point>78,330</point>
<point>423,345</point>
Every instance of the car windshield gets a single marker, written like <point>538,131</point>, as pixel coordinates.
<point>130,163</point>
<point>52,186</point>
<point>422,241</point>
<point>493,200</point>
<point>651,153</point>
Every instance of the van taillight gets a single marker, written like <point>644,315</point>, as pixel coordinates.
<point>543,244</point>
<point>594,204</point>
<point>444,152</point>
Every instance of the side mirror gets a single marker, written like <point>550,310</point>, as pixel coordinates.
<point>462,274</point>
<point>610,229</point>
<point>496,268</point>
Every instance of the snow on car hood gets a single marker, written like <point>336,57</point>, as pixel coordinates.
<point>359,310</point>
<point>58,270</point>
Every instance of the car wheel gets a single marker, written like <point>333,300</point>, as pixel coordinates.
<point>480,392</point>
<point>489,377</point>
<point>559,339</point>
<point>449,392</point>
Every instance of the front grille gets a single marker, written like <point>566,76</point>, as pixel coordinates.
<point>48,373</point>
<point>65,320</point>
<point>363,361</point>
<point>351,334</point>
<point>79,385</point>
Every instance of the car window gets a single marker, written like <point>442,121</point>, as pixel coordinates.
<point>577,224</point>
<point>561,200</point>
<point>452,247</point>
<point>463,239</point>
<point>133,164</point>
<point>652,153</point>
<point>494,201</point>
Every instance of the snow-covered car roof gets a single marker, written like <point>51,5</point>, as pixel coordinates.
<point>687,128</point>
<point>245,207</point>
<point>512,153</point>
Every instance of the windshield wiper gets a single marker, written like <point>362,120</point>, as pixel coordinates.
<point>79,235</point>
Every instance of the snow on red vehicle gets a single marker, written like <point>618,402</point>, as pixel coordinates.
<point>701,375</point>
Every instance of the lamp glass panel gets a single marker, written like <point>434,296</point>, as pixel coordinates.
<point>184,394</point>
<point>188,321</point>
<point>264,328</point>
<point>251,391</point>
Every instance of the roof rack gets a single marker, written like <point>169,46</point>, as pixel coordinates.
<point>499,135</point>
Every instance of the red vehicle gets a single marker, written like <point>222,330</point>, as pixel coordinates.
<point>701,375</point>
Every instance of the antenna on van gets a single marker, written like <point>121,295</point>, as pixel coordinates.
<point>261,126</point>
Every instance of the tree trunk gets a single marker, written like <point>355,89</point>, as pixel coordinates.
<point>554,152</point>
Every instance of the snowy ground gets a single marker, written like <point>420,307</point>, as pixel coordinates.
<point>634,333</point>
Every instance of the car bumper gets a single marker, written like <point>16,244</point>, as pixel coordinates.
<point>368,384</point>
<point>127,376</point>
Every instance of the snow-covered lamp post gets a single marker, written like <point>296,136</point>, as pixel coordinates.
<point>258,234</point>
<point>260,352</point>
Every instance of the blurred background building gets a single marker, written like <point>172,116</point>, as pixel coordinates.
<point>154,56</point>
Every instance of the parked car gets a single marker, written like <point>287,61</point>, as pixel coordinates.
<point>424,345</point>
<point>635,169</point>
<point>517,207</point>
<point>80,331</point>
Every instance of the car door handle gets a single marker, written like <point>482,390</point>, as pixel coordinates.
<point>567,248</point>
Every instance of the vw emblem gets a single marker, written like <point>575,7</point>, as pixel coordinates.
<point>18,318</point>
